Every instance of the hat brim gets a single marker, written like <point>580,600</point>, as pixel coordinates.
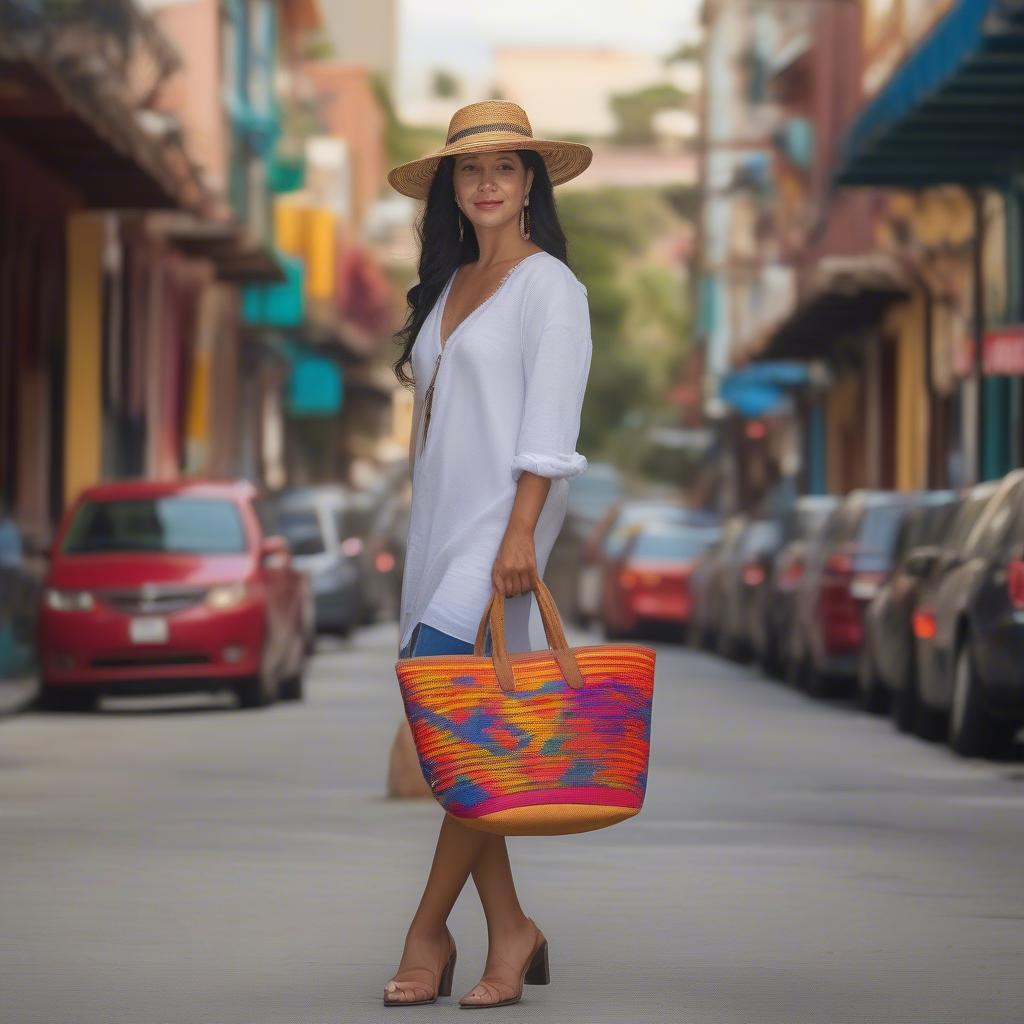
<point>563,160</point>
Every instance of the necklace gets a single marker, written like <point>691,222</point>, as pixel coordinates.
<point>428,400</point>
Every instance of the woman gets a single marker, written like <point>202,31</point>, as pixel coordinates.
<point>499,341</point>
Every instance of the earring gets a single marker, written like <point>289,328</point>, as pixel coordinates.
<point>524,218</point>
<point>459,215</point>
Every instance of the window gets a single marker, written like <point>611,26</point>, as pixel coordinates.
<point>170,525</point>
<point>878,528</point>
<point>672,546</point>
<point>301,527</point>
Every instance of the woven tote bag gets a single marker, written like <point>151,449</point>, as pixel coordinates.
<point>544,742</point>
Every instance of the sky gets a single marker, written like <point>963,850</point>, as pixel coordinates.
<point>459,35</point>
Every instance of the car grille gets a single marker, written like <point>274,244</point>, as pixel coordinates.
<point>154,660</point>
<point>152,600</point>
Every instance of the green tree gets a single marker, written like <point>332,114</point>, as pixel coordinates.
<point>634,112</point>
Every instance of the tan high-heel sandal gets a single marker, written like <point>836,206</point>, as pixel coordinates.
<point>443,986</point>
<point>536,971</point>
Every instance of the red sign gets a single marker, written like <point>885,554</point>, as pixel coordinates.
<point>1003,353</point>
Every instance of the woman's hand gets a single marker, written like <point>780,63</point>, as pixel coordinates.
<point>515,567</point>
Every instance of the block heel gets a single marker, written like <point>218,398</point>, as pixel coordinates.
<point>444,986</point>
<point>538,972</point>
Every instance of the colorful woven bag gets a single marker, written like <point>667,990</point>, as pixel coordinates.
<point>535,743</point>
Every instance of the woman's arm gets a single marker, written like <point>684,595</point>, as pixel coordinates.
<point>515,568</point>
<point>557,351</point>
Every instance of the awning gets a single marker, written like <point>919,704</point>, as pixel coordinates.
<point>235,256</point>
<point>847,295</point>
<point>761,389</point>
<point>316,379</point>
<point>62,104</point>
<point>953,113</point>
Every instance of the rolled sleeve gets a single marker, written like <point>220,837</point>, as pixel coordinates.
<point>556,365</point>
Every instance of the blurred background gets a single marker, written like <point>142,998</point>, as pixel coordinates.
<point>801,236</point>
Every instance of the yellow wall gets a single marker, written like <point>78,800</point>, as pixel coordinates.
<point>844,435</point>
<point>308,232</point>
<point>83,425</point>
<point>906,326</point>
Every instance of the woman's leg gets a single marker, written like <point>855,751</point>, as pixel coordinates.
<point>510,933</point>
<point>426,942</point>
<point>457,850</point>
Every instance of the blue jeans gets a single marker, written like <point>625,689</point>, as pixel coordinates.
<point>427,640</point>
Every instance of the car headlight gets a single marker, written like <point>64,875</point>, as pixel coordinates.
<point>69,600</point>
<point>226,595</point>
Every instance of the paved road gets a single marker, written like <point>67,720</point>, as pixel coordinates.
<point>794,863</point>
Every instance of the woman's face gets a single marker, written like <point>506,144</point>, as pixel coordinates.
<point>490,188</point>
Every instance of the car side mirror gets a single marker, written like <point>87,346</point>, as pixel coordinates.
<point>921,561</point>
<point>275,553</point>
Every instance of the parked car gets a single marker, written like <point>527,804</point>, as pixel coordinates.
<point>848,565</point>
<point>909,715</point>
<point>646,582</point>
<point>772,618</point>
<point>887,654</point>
<point>590,496</point>
<point>165,587</point>
<point>608,537</point>
<point>742,581</point>
<point>706,583</point>
<point>386,541</point>
<point>969,627</point>
<point>322,525</point>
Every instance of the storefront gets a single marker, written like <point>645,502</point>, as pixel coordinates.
<point>951,114</point>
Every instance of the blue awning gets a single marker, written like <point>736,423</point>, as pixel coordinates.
<point>953,113</point>
<point>760,389</point>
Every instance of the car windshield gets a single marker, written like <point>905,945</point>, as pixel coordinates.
<point>672,546</point>
<point>169,525</point>
<point>760,536</point>
<point>301,528</point>
<point>879,527</point>
<point>590,497</point>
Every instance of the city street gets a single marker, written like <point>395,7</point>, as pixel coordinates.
<point>181,861</point>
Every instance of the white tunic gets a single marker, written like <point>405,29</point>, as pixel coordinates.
<point>507,398</point>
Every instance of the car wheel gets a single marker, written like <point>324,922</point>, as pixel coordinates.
<point>973,732</point>
<point>874,698</point>
<point>904,702</point>
<point>257,691</point>
<point>816,682</point>
<point>294,687</point>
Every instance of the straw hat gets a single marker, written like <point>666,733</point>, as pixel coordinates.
<point>487,127</point>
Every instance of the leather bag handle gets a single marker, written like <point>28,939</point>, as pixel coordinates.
<point>494,615</point>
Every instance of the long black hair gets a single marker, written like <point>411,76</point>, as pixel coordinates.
<point>441,252</point>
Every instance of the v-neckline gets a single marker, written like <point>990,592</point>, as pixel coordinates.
<point>443,344</point>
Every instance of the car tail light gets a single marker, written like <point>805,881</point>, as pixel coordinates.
<point>923,624</point>
<point>753,575</point>
<point>627,579</point>
<point>839,564</point>
<point>1015,583</point>
<point>385,561</point>
<point>351,546</point>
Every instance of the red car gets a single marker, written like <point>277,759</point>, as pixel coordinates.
<point>169,587</point>
<point>648,583</point>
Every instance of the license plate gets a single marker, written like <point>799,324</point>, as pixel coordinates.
<point>148,631</point>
